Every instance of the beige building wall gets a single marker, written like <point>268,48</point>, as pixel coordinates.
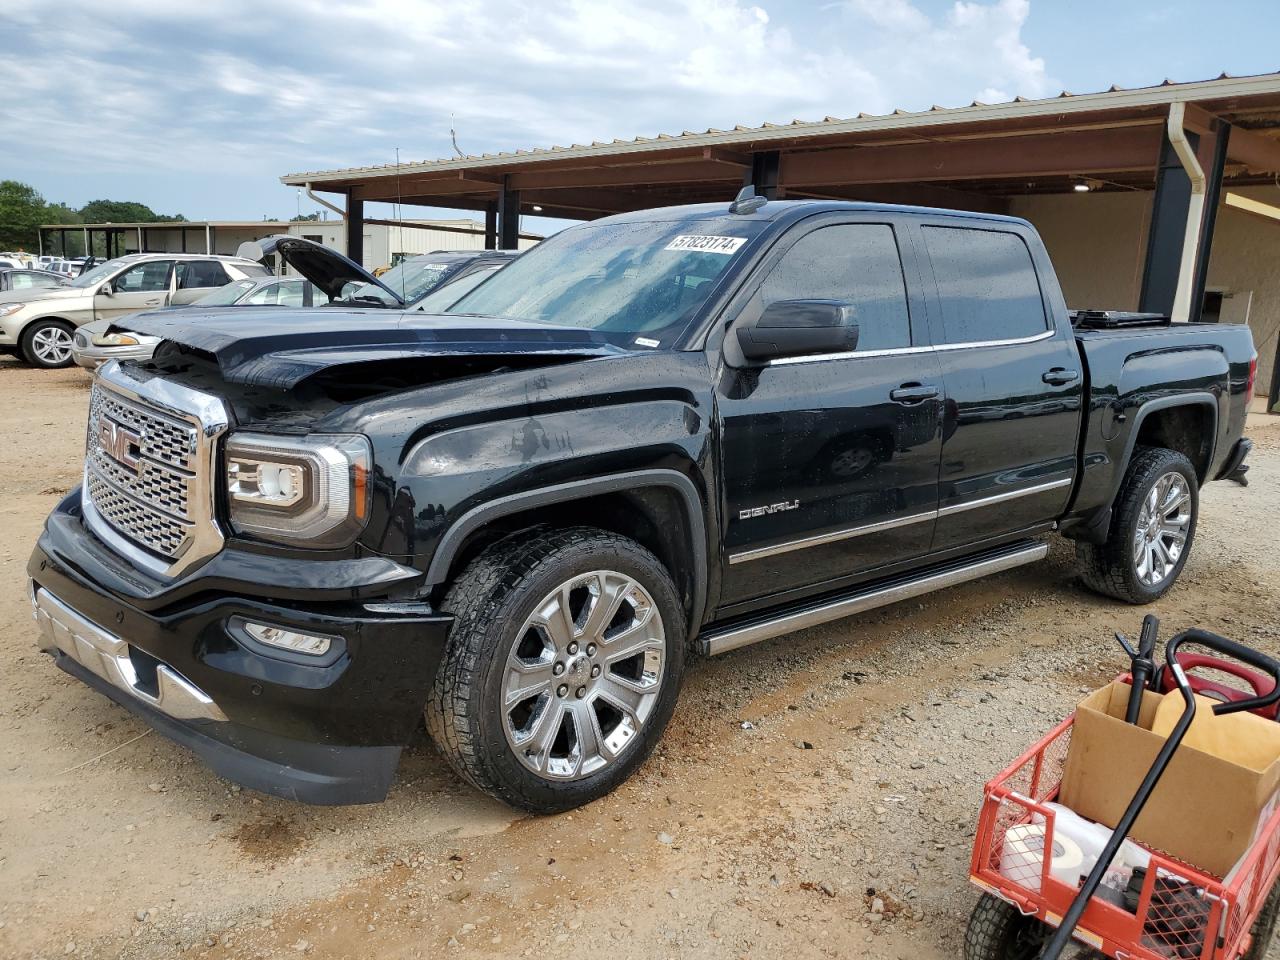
<point>1098,245</point>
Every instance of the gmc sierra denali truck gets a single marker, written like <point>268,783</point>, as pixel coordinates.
<point>680,430</point>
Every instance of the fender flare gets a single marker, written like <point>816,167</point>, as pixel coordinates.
<point>1198,399</point>
<point>475,518</point>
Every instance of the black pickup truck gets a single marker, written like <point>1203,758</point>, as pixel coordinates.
<point>681,430</point>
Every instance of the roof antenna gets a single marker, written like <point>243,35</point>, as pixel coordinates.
<point>747,200</point>
<point>454,137</point>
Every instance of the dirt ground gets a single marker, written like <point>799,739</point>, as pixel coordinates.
<point>799,780</point>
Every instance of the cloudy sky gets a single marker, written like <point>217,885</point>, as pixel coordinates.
<point>199,108</point>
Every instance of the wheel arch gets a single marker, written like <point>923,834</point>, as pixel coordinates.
<point>659,508</point>
<point>1173,422</point>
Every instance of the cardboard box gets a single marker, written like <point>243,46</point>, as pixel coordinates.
<point>1205,808</point>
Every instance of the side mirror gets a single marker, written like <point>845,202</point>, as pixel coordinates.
<point>107,290</point>
<point>800,328</point>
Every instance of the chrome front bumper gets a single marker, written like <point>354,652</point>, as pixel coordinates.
<point>109,657</point>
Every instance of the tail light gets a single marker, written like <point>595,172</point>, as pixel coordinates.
<point>1253,376</point>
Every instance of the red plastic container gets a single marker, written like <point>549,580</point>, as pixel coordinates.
<point>1182,913</point>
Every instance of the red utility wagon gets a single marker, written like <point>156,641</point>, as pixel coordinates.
<point>1173,911</point>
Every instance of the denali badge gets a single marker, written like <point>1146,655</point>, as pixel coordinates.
<point>750,512</point>
<point>119,442</point>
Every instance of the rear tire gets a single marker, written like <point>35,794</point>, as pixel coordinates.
<point>538,701</point>
<point>997,931</point>
<point>1264,927</point>
<point>1153,526</point>
<point>47,344</point>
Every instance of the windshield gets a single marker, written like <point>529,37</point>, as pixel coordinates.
<point>411,279</point>
<point>620,279</point>
<point>446,295</point>
<point>99,273</point>
<point>225,295</point>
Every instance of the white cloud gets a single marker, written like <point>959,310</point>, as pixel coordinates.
<point>232,89</point>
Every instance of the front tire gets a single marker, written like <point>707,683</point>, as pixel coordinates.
<point>997,931</point>
<point>47,344</point>
<point>562,667</point>
<point>1153,525</point>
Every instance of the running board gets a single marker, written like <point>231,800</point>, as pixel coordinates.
<point>724,639</point>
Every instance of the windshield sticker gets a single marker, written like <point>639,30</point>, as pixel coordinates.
<point>647,342</point>
<point>725,245</point>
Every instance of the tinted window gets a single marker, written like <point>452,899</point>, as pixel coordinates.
<point>144,278</point>
<point>857,262</point>
<point>195,274</point>
<point>987,285</point>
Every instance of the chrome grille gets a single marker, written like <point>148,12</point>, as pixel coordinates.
<point>135,519</point>
<point>147,483</point>
<point>163,438</point>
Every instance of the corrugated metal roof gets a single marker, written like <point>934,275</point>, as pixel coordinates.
<point>1115,97</point>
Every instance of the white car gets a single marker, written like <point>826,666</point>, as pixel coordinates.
<point>38,325</point>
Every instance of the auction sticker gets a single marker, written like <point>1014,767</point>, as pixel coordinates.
<point>724,245</point>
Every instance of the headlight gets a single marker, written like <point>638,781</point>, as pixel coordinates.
<point>312,491</point>
<point>9,309</point>
<point>115,340</point>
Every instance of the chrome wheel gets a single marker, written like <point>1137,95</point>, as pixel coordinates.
<point>52,345</point>
<point>1163,526</point>
<point>583,675</point>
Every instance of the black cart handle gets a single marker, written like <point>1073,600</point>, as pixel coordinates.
<point>1236,651</point>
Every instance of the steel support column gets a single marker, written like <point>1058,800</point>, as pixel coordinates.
<point>764,173</point>
<point>491,226</point>
<point>1212,194</point>
<point>508,217</point>
<point>355,228</point>
<point>1165,236</point>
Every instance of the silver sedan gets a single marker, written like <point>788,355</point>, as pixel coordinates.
<point>96,343</point>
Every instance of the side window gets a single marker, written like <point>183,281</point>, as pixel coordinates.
<point>290,293</point>
<point>858,262</point>
<point>22,281</point>
<point>144,278</point>
<point>987,285</point>
<point>263,296</point>
<point>201,274</point>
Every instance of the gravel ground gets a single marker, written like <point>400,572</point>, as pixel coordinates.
<point>801,780</point>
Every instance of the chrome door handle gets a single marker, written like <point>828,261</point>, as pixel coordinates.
<point>1059,376</point>
<point>910,393</point>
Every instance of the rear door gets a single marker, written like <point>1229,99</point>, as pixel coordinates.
<point>1013,382</point>
<point>198,277</point>
<point>830,463</point>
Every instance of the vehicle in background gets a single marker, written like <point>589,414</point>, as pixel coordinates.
<point>38,324</point>
<point>676,430</point>
<point>451,291</point>
<point>351,285</point>
<point>10,263</point>
<point>102,340</point>
<point>63,268</point>
<point>18,278</point>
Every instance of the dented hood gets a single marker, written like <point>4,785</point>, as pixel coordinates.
<point>265,348</point>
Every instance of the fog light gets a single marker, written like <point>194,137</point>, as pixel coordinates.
<point>316,646</point>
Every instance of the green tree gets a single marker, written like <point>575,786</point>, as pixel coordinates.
<point>21,212</point>
<point>124,211</point>
<point>308,217</point>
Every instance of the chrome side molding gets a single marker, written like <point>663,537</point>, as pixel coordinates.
<point>723,640</point>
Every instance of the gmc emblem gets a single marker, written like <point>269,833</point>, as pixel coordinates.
<point>120,443</point>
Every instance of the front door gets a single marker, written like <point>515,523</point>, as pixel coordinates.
<point>1013,383</point>
<point>829,464</point>
<point>144,286</point>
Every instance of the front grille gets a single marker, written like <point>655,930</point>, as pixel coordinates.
<point>136,520</point>
<point>164,439</point>
<point>147,470</point>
